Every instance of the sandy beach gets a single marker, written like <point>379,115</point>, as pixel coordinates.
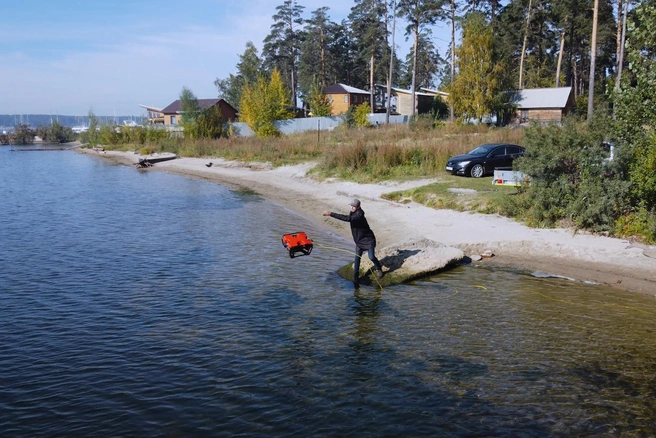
<point>618,263</point>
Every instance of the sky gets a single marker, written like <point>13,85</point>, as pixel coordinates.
<point>69,57</point>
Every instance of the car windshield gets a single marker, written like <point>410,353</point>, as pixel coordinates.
<point>481,150</point>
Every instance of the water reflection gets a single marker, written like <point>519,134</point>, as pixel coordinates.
<point>204,326</point>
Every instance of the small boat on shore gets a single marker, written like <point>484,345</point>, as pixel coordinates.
<point>151,159</point>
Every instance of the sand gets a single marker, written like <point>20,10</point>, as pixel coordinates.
<point>580,256</point>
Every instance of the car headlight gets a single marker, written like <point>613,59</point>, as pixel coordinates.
<point>463,164</point>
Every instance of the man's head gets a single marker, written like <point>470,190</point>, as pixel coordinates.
<point>355,203</point>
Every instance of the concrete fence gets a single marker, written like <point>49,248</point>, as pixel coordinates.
<point>295,126</point>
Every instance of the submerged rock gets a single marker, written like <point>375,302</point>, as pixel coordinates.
<point>405,262</point>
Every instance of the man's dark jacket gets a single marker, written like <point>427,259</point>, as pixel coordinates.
<point>363,237</point>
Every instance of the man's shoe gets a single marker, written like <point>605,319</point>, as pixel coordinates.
<point>380,275</point>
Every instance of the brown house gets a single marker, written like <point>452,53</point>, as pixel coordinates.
<point>542,104</point>
<point>173,113</point>
<point>343,96</point>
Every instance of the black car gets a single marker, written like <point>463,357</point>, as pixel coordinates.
<point>484,159</point>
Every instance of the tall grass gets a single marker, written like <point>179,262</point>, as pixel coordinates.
<point>404,151</point>
<point>361,154</point>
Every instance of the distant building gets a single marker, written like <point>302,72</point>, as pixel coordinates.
<point>344,96</point>
<point>172,114</point>
<point>401,99</point>
<point>542,104</point>
<point>155,115</point>
<point>441,94</point>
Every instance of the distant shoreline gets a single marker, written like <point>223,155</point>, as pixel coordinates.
<point>603,260</point>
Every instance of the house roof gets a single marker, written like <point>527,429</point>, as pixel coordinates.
<point>175,107</point>
<point>434,92</point>
<point>541,97</point>
<point>343,89</point>
<point>151,108</point>
<point>403,91</point>
<point>417,93</point>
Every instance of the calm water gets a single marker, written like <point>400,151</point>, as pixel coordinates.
<point>145,304</point>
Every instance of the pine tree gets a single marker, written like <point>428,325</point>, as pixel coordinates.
<point>249,69</point>
<point>419,14</point>
<point>369,35</point>
<point>282,46</point>
<point>319,103</point>
<point>318,57</point>
<point>428,64</point>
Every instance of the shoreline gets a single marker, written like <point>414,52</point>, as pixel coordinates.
<point>584,257</point>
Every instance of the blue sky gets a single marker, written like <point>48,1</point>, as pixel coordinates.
<point>69,56</point>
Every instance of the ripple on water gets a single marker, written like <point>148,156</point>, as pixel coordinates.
<point>141,303</point>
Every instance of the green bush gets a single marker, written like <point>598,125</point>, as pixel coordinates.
<point>641,224</point>
<point>361,115</point>
<point>570,179</point>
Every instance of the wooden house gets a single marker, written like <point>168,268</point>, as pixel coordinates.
<point>344,96</point>
<point>173,113</point>
<point>542,104</point>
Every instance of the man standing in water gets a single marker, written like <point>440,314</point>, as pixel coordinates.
<point>363,236</point>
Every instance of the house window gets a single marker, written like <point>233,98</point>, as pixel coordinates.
<point>346,98</point>
<point>330,98</point>
<point>173,120</point>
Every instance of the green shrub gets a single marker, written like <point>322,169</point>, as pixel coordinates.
<point>361,115</point>
<point>569,178</point>
<point>641,224</point>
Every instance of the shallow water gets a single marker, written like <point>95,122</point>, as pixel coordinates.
<point>138,303</point>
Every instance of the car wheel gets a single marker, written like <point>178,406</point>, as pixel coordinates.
<point>477,171</point>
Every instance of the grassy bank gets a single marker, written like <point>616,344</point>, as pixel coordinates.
<point>572,185</point>
<point>394,152</point>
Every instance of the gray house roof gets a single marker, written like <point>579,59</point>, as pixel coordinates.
<point>541,97</point>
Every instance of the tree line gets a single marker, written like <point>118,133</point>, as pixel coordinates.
<point>25,134</point>
<point>522,44</point>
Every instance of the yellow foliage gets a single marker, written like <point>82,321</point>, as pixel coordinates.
<point>263,103</point>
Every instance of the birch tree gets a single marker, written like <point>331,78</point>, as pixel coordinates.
<point>478,82</point>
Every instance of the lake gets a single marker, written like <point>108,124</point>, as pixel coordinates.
<point>140,303</point>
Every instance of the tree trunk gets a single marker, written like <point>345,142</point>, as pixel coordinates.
<point>620,61</point>
<point>618,37</point>
<point>391,67</point>
<point>452,113</point>
<point>414,68</point>
<point>371,83</point>
<point>521,59</point>
<point>323,60</point>
<point>560,57</point>
<point>593,56</point>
